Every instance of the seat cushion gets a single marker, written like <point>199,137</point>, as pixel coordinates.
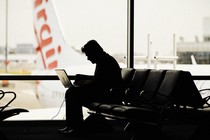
<point>9,112</point>
<point>137,113</point>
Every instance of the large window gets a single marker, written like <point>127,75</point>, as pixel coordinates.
<point>172,34</point>
<point>168,28</point>
<point>67,25</point>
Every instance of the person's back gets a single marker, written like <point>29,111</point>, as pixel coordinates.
<point>107,73</point>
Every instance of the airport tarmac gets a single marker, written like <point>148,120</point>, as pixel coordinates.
<point>26,98</point>
<point>26,94</point>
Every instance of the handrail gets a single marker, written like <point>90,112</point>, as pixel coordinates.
<point>29,77</point>
<point>55,77</point>
<point>201,77</point>
<point>32,77</point>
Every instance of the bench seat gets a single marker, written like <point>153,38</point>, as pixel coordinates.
<point>6,111</point>
<point>155,96</point>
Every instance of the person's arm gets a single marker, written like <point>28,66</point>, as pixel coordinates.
<point>82,79</point>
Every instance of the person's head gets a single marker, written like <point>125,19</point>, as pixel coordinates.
<point>92,50</point>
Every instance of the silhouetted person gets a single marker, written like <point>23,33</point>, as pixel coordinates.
<point>107,75</point>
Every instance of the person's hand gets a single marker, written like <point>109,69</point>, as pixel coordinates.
<point>83,83</point>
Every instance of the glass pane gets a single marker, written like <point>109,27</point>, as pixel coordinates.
<point>2,34</point>
<point>41,98</point>
<point>102,20</point>
<point>165,29</point>
<point>63,27</point>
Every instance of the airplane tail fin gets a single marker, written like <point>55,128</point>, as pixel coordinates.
<point>193,60</point>
<point>52,50</point>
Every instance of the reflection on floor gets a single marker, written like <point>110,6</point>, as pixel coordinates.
<point>24,130</point>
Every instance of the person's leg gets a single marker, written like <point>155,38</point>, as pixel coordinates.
<point>76,97</point>
<point>74,115</point>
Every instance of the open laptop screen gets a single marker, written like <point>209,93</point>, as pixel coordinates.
<point>63,76</point>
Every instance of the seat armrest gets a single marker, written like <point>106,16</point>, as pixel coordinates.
<point>14,96</point>
<point>9,112</point>
<point>205,99</point>
<point>1,94</point>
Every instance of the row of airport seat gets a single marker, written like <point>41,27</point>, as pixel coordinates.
<point>154,97</point>
<point>5,110</point>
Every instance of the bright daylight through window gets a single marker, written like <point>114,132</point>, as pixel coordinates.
<point>48,35</point>
<point>38,36</point>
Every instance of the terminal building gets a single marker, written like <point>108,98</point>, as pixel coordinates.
<point>199,49</point>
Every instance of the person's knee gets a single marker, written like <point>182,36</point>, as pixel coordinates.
<point>70,92</point>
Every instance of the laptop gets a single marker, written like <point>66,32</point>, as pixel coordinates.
<point>63,76</point>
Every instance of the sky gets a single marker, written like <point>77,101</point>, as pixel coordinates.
<point>20,27</point>
<point>163,18</point>
<point>106,22</point>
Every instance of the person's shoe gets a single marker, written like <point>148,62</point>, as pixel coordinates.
<point>70,131</point>
<point>64,130</point>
